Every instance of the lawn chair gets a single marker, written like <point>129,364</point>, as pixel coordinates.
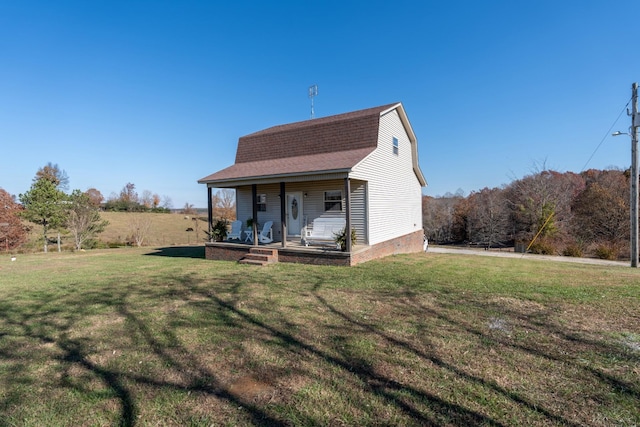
<point>266,234</point>
<point>236,231</point>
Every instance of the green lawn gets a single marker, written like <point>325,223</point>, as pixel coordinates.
<point>163,337</point>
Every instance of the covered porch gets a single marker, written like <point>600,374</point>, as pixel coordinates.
<point>291,207</point>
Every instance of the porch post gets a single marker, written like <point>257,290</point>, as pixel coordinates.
<point>283,214</point>
<point>347,211</point>
<point>210,209</point>
<point>254,212</point>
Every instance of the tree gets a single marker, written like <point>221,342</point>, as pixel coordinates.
<point>188,209</point>
<point>12,232</point>
<point>225,204</point>
<point>147,199</point>
<point>438,217</point>
<point>541,203</point>
<point>53,173</point>
<point>139,227</point>
<point>488,217</point>
<point>602,209</point>
<point>129,197</point>
<point>44,205</point>
<point>167,203</point>
<point>83,218</point>
<point>95,197</point>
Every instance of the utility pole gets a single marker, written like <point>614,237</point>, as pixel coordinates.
<point>635,123</point>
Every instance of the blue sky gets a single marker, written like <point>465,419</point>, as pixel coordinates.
<point>157,93</point>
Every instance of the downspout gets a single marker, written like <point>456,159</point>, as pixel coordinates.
<point>347,213</point>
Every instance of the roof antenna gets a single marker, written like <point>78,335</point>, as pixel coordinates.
<point>313,91</point>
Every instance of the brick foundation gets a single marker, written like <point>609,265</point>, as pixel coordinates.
<point>408,243</point>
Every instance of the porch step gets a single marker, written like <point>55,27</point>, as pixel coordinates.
<point>260,256</point>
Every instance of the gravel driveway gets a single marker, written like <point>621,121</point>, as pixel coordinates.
<point>505,254</point>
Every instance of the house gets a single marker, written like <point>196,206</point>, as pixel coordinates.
<point>359,167</point>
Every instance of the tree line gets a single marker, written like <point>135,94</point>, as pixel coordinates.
<point>546,212</point>
<point>48,205</point>
<point>129,201</point>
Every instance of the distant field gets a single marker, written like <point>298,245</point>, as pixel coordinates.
<point>165,230</point>
<point>163,337</point>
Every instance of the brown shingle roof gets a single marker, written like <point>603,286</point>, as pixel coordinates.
<point>326,144</point>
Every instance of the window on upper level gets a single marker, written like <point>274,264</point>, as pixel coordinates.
<point>395,145</point>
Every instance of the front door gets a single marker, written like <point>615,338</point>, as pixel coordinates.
<point>294,214</point>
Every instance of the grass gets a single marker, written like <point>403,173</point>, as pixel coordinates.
<point>164,337</point>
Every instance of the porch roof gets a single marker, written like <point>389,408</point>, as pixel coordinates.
<point>340,161</point>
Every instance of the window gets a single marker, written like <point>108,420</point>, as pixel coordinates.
<point>333,200</point>
<point>395,146</point>
<point>261,202</point>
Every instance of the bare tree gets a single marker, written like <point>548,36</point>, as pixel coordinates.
<point>188,209</point>
<point>226,204</point>
<point>602,209</point>
<point>438,217</point>
<point>147,199</point>
<point>166,202</point>
<point>52,173</point>
<point>139,228</point>
<point>488,217</point>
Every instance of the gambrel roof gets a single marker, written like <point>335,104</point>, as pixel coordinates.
<point>324,145</point>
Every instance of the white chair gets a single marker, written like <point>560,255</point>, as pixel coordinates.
<point>266,234</point>
<point>236,231</point>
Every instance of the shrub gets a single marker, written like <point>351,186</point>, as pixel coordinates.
<point>606,251</point>
<point>543,247</point>
<point>341,238</point>
<point>219,230</point>
<point>573,250</point>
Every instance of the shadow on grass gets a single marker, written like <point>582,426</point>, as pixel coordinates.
<point>135,343</point>
<point>180,252</point>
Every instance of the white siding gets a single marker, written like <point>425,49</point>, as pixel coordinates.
<point>244,207</point>
<point>359,211</point>
<point>312,204</point>
<point>394,192</point>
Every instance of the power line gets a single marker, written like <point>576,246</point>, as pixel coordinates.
<point>606,135</point>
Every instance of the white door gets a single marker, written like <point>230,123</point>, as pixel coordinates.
<point>294,214</point>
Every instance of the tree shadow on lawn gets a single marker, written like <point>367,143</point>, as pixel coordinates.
<point>67,335</point>
<point>51,332</point>
<point>580,346</point>
<point>179,252</point>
